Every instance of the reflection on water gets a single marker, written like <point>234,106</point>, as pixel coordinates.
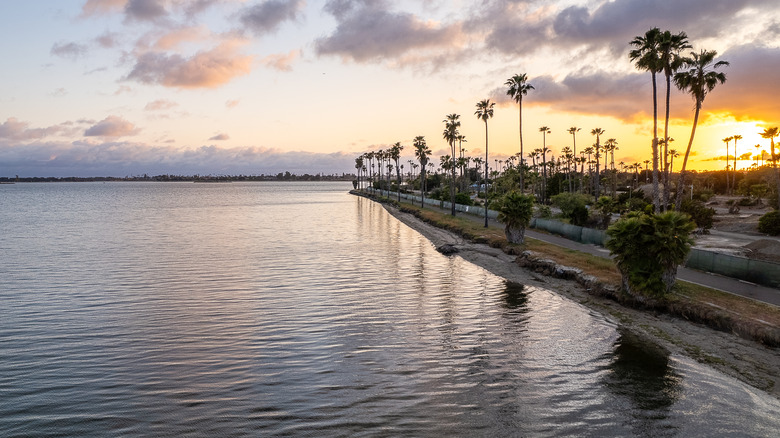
<point>641,373</point>
<point>294,309</point>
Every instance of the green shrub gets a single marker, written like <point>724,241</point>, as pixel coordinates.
<point>702,215</point>
<point>769,223</point>
<point>579,216</point>
<point>463,199</point>
<point>647,250</point>
<point>515,211</point>
<point>543,211</point>
<point>747,202</point>
<point>569,202</point>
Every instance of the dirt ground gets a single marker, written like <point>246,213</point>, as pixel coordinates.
<point>737,233</point>
<point>748,361</point>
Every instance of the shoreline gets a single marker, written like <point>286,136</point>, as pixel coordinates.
<point>745,360</point>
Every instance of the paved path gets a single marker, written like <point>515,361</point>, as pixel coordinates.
<point>726,284</point>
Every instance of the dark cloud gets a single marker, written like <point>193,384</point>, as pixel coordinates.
<point>208,69</point>
<point>267,16</point>
<point>522,28</point>
<point>108,40</point>
<point>128,158</point>
<point>369,33</point>
<point>111,126</point>
<point>750,79</point>
<point>220,137</point>
<point>68,50</point>
<point>145,10</point>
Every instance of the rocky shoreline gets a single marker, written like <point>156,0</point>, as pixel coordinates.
<point>748,361</point>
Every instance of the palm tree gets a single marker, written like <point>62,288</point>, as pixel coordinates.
<point>515,211</point>
<point>610,146</point>
<point>422,152</point>
<point>573,131</point>
<point>727,140</point>
<point>544,130</point>
<point>736,137</point>
<point>672,155</point>
<point>359,166</point>
<point>395,154</point>
<point>519,87</point>
<point>646,56</point>
<point>451,125</point>
<point>484,112</point>
<point>597,147</point>
<point>670,47</point>
<point>771,133</point>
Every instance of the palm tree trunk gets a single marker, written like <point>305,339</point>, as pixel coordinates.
<point>667,188</point>
<point>656,193</point>
<point>486,159</point>
<point>520,123</point>
<point>681,178</point>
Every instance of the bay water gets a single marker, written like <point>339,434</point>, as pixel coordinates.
<point>296,309</point>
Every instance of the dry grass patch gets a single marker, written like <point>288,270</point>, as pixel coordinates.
<point>599,267</point>
<point>727,302</point>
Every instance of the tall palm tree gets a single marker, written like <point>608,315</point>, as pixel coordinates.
<point>646,56</point>
<point>544,130</point>
<point>484,112</point>
<point>519,87</point>
<point>573,131</point>
<point>597,147</point>
<point>422,152</point>
<point>736,137</point>
<point>771,133</point>
<point>670,46</point>
<point>395,154</point>
<point>727,140</point>
<point>610,146</point>
<point>358,166</point>
<point>451,125</point>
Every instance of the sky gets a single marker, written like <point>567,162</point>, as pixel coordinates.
<point>228,87</point>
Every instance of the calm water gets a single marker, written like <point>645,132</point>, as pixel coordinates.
<point>146,309</point>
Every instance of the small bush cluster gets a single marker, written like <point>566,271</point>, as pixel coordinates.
<point>702,215</point>
<point>769,223</point>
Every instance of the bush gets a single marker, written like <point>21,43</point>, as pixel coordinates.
<point>747,202</point>
<point>569,202</point>
<point>605,207</point>
<point>702,215</point>
<point>463,199</point>
<point>648,249</point>
<point>769,223</point>
<point>514,211</point>
<point>543,211</point>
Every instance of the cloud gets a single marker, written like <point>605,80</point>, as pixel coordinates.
<point>371,33</point>
<point>206,69</point>
<point>145,10</point>
<point>220,137</point>
<point>86,158</point>
<point>68,50</point>
<point>281,62</point>
<point>111,126</point>
<point>752,72</point>
<point>160,104</point>
<point>16,130</point>
<point>269,15</point>
<point>176,37</point>
<point>107,40</point>
<point>232,103</point>
<point>100,7</point>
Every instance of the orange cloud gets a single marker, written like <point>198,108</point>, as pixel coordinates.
<point>111,126</point>
<point>96,7</point>
<point>206,69</point>
<point>281,62</point>
<point>177,37</point>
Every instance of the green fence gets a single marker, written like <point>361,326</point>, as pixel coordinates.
<point>754,271</point>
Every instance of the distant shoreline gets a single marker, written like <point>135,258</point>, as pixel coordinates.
<point>174,178</point>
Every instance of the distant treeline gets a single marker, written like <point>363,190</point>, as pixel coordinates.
<point>281,176</point>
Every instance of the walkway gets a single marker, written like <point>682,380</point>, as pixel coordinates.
<point>726,284</point>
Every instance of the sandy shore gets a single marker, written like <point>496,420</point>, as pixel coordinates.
<point>745,360</point>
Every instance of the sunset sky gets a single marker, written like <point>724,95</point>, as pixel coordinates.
<point>126,87</point>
